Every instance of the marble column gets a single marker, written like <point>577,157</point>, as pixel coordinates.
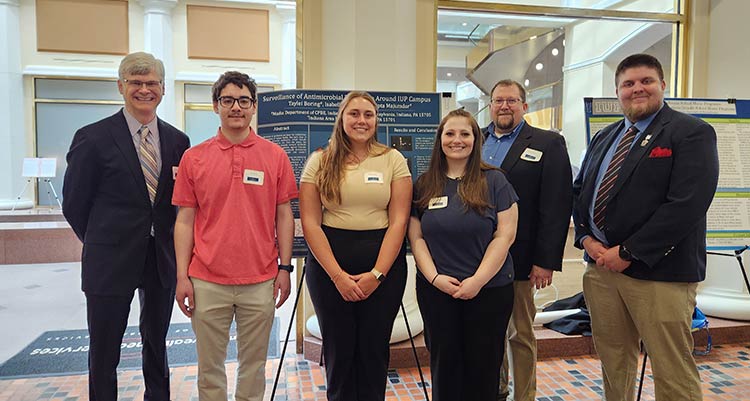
<point>158,38</point>
<point>13,143</point>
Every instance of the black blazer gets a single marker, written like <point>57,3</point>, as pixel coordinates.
<point>545,199</point>
<point>106,202</point>
<point>658,205</point>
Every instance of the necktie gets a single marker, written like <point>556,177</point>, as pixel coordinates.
<point>610,176</point>
<point>148,162</point>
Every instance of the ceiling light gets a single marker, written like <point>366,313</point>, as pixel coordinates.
<point>539,66</point>
<point>449,74</point>
<point>526,83</point>
<point>555,52</point>
<point>464,24</point>
<point>533,37</point>
<point>563,42</point>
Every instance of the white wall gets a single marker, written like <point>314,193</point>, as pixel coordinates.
<point>264,72</point>
<point>452,55</point>
<point>369,45</point>
<point>728,54</point>
<point>50,64</point>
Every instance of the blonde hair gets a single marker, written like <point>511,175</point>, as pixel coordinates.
<point>141,63</point>
<point>333,159</point>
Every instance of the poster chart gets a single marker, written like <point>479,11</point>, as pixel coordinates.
<point>729,214</point>
<point>301,122</point>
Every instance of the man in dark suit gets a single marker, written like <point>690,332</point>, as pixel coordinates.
<point>537,165</point>
<point>640,203</point>
<point>118,200</point>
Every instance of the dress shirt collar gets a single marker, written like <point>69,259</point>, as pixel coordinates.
<point>513,134</point>
<point>134,125</point>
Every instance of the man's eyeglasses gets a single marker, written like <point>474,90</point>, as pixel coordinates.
<point>499,102</point>
<point>244,102</point>
<point>139,84</point>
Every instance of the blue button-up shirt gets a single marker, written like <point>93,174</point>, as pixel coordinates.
<point>496,147</point>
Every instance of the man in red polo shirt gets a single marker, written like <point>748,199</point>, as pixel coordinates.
<point>233,191</point>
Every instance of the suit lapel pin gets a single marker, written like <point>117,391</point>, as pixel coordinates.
<point>645,140</point>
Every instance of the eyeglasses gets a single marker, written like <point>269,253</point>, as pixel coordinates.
<point>244,102</point>
<point>499,102</point>
<point>139,84</point>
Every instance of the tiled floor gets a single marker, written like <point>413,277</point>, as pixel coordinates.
<point>37,298</point>
<point>725,373</point>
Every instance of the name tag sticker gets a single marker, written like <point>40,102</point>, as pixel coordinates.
<point>174,172</point>
<point>253,177</point>
<point>531,155</point>
<point>438,203</point>
<point>373,178</point>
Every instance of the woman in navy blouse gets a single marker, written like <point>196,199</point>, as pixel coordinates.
<point>462,225</point>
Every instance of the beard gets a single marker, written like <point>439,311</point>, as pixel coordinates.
<point>636,113</point>
<point>503,123</point>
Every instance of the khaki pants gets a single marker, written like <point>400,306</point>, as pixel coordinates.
<point>216,305</point>
<point>625,310</point>
<point>521,345</point>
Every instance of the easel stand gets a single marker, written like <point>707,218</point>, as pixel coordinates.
<point>23,190</point>
<point>52,191</point>
<point>29,180</point>
<point>738,256</point>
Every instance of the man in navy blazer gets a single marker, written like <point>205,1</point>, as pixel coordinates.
<point>640,203</point>
<point>537,165</point>
<point>126,227</point>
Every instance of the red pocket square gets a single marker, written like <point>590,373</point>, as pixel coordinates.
<point>660,152</point>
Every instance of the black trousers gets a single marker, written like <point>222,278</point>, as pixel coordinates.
<point>466,340</point>
<point>107,320</point>
<point>356,335</point>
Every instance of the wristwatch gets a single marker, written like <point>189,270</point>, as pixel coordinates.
<point>378,275</point>
<point>289,268</point>
<point>625,254</point>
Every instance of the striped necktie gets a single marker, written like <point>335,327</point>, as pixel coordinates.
<point>148,162</point>
<point>610,176</point>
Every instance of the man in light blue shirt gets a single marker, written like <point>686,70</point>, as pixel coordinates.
<point>537,165</point>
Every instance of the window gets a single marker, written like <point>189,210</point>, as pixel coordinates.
<point>560,55</point>
<point>61,107</point>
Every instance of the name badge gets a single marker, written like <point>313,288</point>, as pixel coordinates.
<point>253,177</point>
<point>531,155</point>
<point>174,172</point>
<point>373,178</point>
<point>437,203</point>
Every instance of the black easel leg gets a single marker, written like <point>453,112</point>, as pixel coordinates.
<point>288,332</point>
<point>643,373</point>
<point>414,349</point>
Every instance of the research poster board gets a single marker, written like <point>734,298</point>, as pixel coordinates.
<point>301,122</point>
<point>729,214</point>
